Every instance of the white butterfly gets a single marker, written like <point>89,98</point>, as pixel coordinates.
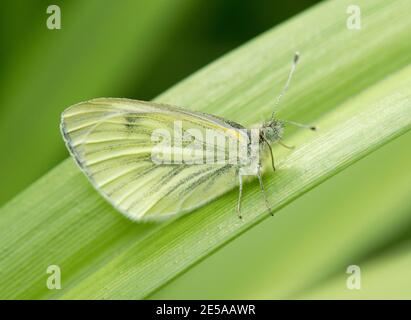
<point>111,141</point>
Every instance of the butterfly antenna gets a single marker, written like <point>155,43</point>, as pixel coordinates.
<point>300,125</point>
<point>287,84</point>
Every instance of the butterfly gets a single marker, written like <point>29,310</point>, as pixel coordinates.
<point>112,140</point>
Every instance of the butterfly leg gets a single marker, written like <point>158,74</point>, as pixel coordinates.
<point>284,145</point>
<point>271,151</point>
<point>240,178</point>
<point>263,190</point>
<point>272,156</point>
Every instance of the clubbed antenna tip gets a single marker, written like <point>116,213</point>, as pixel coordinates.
<point>296,56</point>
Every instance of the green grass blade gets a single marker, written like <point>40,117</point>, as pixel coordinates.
<point>360,100</point>
<point>346,220</point>
<point>156,259</point>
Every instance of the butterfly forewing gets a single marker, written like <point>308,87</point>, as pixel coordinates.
<point>112,141</point>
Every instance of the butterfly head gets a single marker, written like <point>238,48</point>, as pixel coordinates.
<point>273,130</point>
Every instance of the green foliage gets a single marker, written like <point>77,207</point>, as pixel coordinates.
<point>356,86</point>
<point>358,216</point>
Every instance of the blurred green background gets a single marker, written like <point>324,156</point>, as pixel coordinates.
<point>128,48</point>
<point>138,49</point>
